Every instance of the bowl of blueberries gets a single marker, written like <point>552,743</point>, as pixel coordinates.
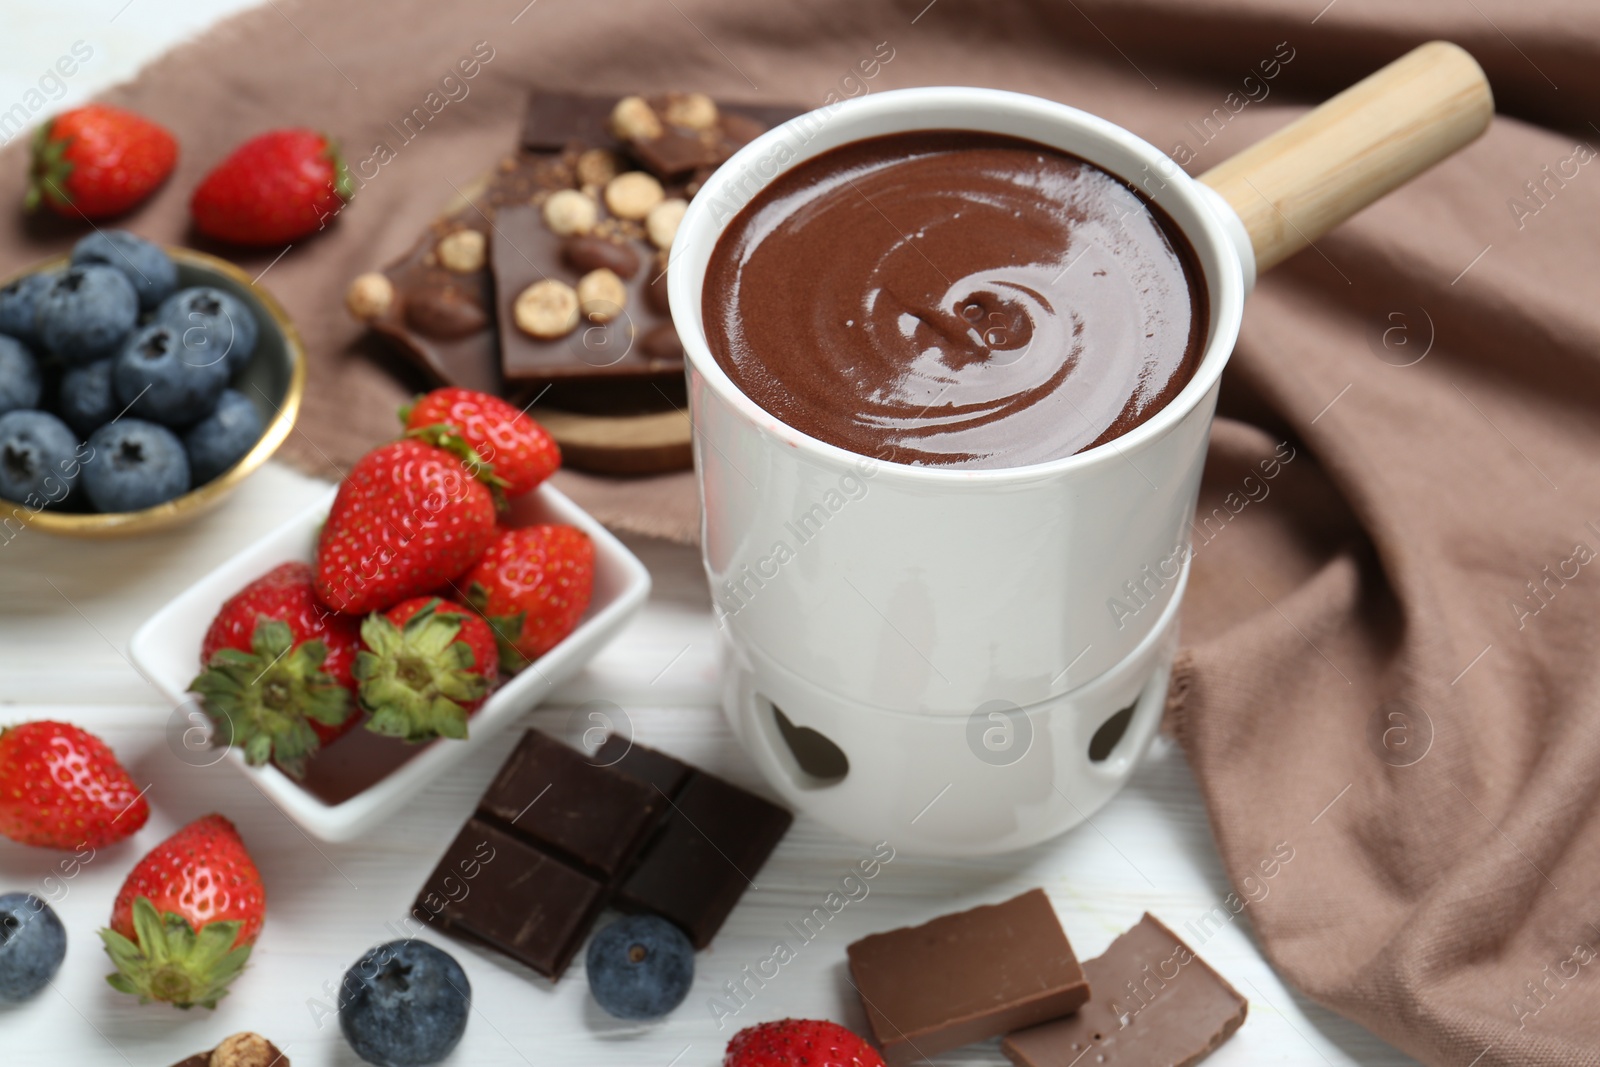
<point>138,386</point>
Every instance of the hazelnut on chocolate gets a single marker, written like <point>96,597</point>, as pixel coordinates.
<point>633,119</point>
<point>585,254</point>
<point>461,251</point>
<point>696,111</point>
<point>662,222</point>
<point>369,296</point>
<point>546,309</point>
<point>568,212</point>
<point>601,295</point>
<point>597,166</point>
<point>245,1050</point>
<point>632,195</point>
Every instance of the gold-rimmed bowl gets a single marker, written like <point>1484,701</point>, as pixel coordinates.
<point>274,380</point>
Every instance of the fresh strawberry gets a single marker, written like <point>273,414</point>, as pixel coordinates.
<point>61,787</point>
<point>408,519</point>
<point>518,448</point>
<point>799,1043</point>
<point>184,921</point>
<point>278,187</point>
<point>96,161</point>
<point>532,584</point>
<point>428,664</point>
<point>277,680</point>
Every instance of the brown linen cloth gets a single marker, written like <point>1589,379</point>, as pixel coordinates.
<point>1388,669</point>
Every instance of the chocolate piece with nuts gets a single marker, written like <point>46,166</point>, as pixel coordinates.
<point>438,302</point>
<point>567,314</point>
<point>673,135</point>
<point>240,1050</point>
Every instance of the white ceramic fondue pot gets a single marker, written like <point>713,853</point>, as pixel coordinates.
<point>963,661</point>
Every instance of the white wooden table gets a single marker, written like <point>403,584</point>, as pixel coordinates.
<point>67,609</point>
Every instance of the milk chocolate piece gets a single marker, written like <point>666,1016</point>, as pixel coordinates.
<point>559,835</point>
<point>966,977</point>
<point>1154,1002</point>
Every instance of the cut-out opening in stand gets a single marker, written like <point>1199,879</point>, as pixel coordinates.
<point>1104,741</point>
<point>818,761</point>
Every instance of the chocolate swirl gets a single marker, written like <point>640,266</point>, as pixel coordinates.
<point>955,298</point>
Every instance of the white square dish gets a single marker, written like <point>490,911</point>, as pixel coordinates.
<point>166,650</point>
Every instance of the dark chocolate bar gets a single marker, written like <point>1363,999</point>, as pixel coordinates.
<point>559,835</point>
<point>966,977</point>
<point>1154,1001</point>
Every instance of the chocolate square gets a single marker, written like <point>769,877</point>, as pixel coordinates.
<point>497,889</point>
<point>556,795</point>
<point>555,120</point>
<point>1154,1001</point>
<point>714,842</point>
<point>559,834</point>
<point>966,977</point>
<point>646,764</point>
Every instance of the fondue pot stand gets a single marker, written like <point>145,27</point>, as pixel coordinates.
<point>964,661</point>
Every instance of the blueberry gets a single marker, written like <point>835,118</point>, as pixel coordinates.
<point>88,401</point>
<point>221,439</point>
<point>39,459</point>
<point>640,967</point>
<point>404,1004</point>
<point>211,319</point>
<point>160,380</point>
<point>134,465</point>
<point>19,376</point>
<point>32,945</point>
<point>151,270</point>
<point>85,312</point>
<point>19,304</point>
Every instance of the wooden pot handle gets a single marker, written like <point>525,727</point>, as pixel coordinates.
<point>1302,181</point>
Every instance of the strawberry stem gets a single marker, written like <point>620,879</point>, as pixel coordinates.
<point>172,962</point>
<point>262,700</point>
<point>416,679</point>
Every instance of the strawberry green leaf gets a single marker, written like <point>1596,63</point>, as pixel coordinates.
<point>264,700</point>
<point>171,962</point>
<point>415,679</point>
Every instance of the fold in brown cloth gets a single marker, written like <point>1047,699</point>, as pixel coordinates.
<point>1389,667</point>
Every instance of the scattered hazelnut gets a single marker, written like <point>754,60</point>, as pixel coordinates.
<point>369,296</point>
<point>547,309</point>
<point>601,295</point>
<point>633,119</point>
<point>569,211</point>
<point>461,251</point>
<point>696,111</point>
<point>598,166</point>
<point>662,222</point>
<point>244,1050</point>
<point>632,195</point>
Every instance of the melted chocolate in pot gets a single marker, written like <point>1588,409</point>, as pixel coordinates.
<point>957,299</point>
